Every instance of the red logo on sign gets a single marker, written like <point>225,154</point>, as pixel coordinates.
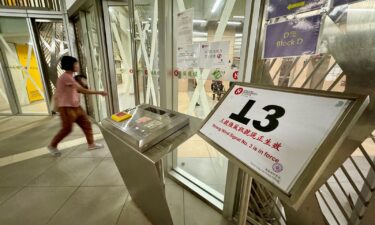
<point>176,72</point>
<point>238,91</point>
<point>235,75</point>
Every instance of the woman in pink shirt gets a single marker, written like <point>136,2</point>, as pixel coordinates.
<point>67,100</point>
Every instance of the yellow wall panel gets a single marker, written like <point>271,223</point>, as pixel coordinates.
<point>32,91</point>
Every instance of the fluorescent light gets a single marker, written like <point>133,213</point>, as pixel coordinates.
<point>200,33</point>
<point>216,5</point>
<point>239,17</point>
<point>199,21</point>
<point>238,35</point>
<point>149,18</point>
<point>234,23</point>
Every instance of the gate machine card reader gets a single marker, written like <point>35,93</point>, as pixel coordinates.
<point>147,125</point>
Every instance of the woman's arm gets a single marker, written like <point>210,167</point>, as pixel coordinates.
<point>88,91</point>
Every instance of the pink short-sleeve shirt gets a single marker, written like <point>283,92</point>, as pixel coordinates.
<point>67,94</point>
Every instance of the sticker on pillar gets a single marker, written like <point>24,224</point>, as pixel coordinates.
<point>277,8</point>
<point>214,55</point>
<point>292,38</point>
<point>235,75</point>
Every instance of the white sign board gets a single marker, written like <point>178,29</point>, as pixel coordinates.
<point>214,55</point>
<point>184,26</point>
<point>188,56</point>
<point>274,133</point>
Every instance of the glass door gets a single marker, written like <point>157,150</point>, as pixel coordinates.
<point>91,62</point>
<point>220,25</point>
<point>145,56</point>
<point>21,68</point>
<point>4,101</point>
<point>96,78</point>
<point>52,39</point>
<point>121,55</point>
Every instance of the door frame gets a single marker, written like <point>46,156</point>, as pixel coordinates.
<point>11,92</point>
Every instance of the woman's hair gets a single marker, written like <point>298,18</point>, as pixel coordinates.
<point>67,63</point>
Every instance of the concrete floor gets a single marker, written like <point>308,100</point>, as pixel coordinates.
<point>81,187</point>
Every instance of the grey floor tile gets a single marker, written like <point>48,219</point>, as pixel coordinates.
<point>7,192</point>
<point>109,155</point>
<point>82,152</point>
<point>132,215</point>
<point>198,213</point>
<point>33,205</point>
<point>106,174</point>
<point>67,172</point>
<point>21,173</point>
<point>64,153</point>
<point>175,199</point>
<point>92,206</point>
<point>34,138</point>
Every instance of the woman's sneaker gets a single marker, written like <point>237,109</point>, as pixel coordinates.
<point>95,146</point>
<point>54,151</point>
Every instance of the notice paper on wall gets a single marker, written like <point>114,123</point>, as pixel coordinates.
<point>184,27</point>
<point>274,133</point>
<point>193,58</point>
<point>188,56</point>
<point>214,55</point>
<point>292,38</point>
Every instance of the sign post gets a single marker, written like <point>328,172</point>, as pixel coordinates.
<point>282,137</point>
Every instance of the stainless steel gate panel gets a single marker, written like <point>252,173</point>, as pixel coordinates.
<point>142,171</point>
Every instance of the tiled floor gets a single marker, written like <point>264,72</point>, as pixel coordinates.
<point>81,187</point>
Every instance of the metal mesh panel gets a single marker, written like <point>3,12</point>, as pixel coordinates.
<point>45,4</point>
<point>53,45</point>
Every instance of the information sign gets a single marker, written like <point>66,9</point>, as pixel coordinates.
<point>214,55</point>
<point>277,8</point>
<point>292,38</point>
<point>343,2</point>
<point>274,133</point>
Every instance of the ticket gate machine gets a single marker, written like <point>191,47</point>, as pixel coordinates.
<point>138,146</point>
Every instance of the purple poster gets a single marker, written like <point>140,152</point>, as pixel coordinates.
<point>292,38</point>
<point>278,8</point>
<point>342,2</point>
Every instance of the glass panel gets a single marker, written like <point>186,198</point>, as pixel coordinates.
<point>146,18</point>
<point>196,156</point>
<point>18,51</point>
<point>53,45</point>
<point>82,57</point>
<point>96,60</point>
<point>122,55</point>
<point>4,102</point>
